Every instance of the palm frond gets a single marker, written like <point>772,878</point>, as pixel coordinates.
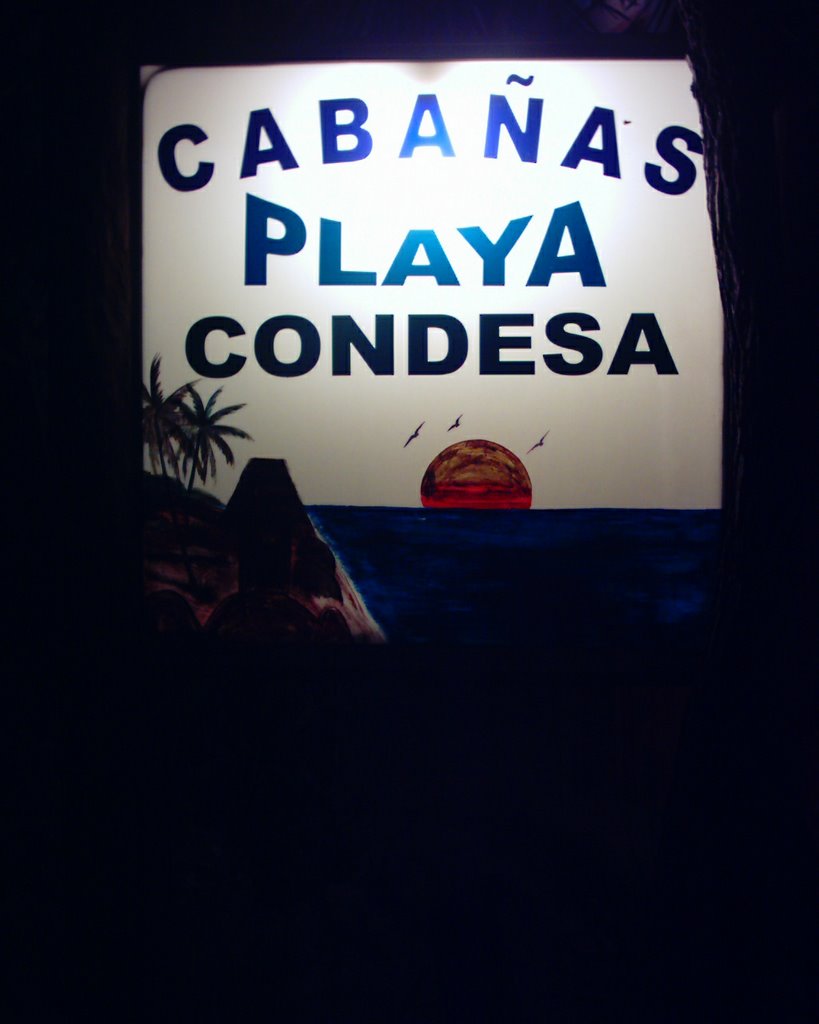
<point>199,465</point>
<point>172,456</point>
<point>153,456</point>
<point>211,401</point>
<point>224,448</point>
<point>156,387</point>
<point>226,431</point>
<point>196,398</point>
<point>177,397</point>
<point>187,416</point>
<point>227,411</point>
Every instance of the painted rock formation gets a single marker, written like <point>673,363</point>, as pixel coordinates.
<point>266,574</point>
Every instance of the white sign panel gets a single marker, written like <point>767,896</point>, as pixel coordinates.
<point>379,260</point>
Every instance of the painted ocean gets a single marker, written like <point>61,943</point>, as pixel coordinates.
<point>597,580</point>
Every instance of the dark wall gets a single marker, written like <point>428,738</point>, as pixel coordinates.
<point>744,832</point>
<point>323,839</point>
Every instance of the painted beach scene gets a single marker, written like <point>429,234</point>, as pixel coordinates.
<point>472,564</point>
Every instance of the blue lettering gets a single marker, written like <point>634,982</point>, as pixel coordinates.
<point>686,171</point>
<point>266,351</point>
<point>600,119</point>
<point>582,261</point>
<point>257,243</point>
<point>526,140</point>
<point>494,254</point>
<point>655,354</point>
<point>167,159</point>
<point>491,343</point>
<point>347,335</point>
<point>418,361</point>
<point>330,271</point>
<point>590,352</point>
<point>404,266</point>
<point>426,104</point>
<point>195,347</point>
<point>331,130</point>
<point>277,152</point>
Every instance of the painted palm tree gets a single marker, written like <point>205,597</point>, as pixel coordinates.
<point>206,434</point>
<point>163,430</point>
<point>163,422</point>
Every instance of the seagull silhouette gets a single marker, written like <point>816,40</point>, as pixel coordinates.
<point>457,423</point>
<point>417,432</point>
<point>539,444</point>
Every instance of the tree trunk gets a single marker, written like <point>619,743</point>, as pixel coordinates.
<point>193,466</point>
<point>180,533</point>
<point>740,859</point>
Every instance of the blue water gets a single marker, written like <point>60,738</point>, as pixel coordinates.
<point>598,578</point>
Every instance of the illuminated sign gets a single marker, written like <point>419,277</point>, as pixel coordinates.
<point>474,284</point>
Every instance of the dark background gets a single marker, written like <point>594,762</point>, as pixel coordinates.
<point>423,835</point>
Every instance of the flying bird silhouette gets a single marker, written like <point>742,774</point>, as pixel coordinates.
<point>457,423</point>
<point>417,432</point>
<point>539,444</point>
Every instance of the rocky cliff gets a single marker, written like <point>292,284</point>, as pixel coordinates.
<point>256,570</point>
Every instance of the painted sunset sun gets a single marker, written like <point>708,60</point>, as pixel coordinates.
<point>476,474</point>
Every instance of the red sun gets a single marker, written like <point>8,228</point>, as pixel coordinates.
<point>476,474</point>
